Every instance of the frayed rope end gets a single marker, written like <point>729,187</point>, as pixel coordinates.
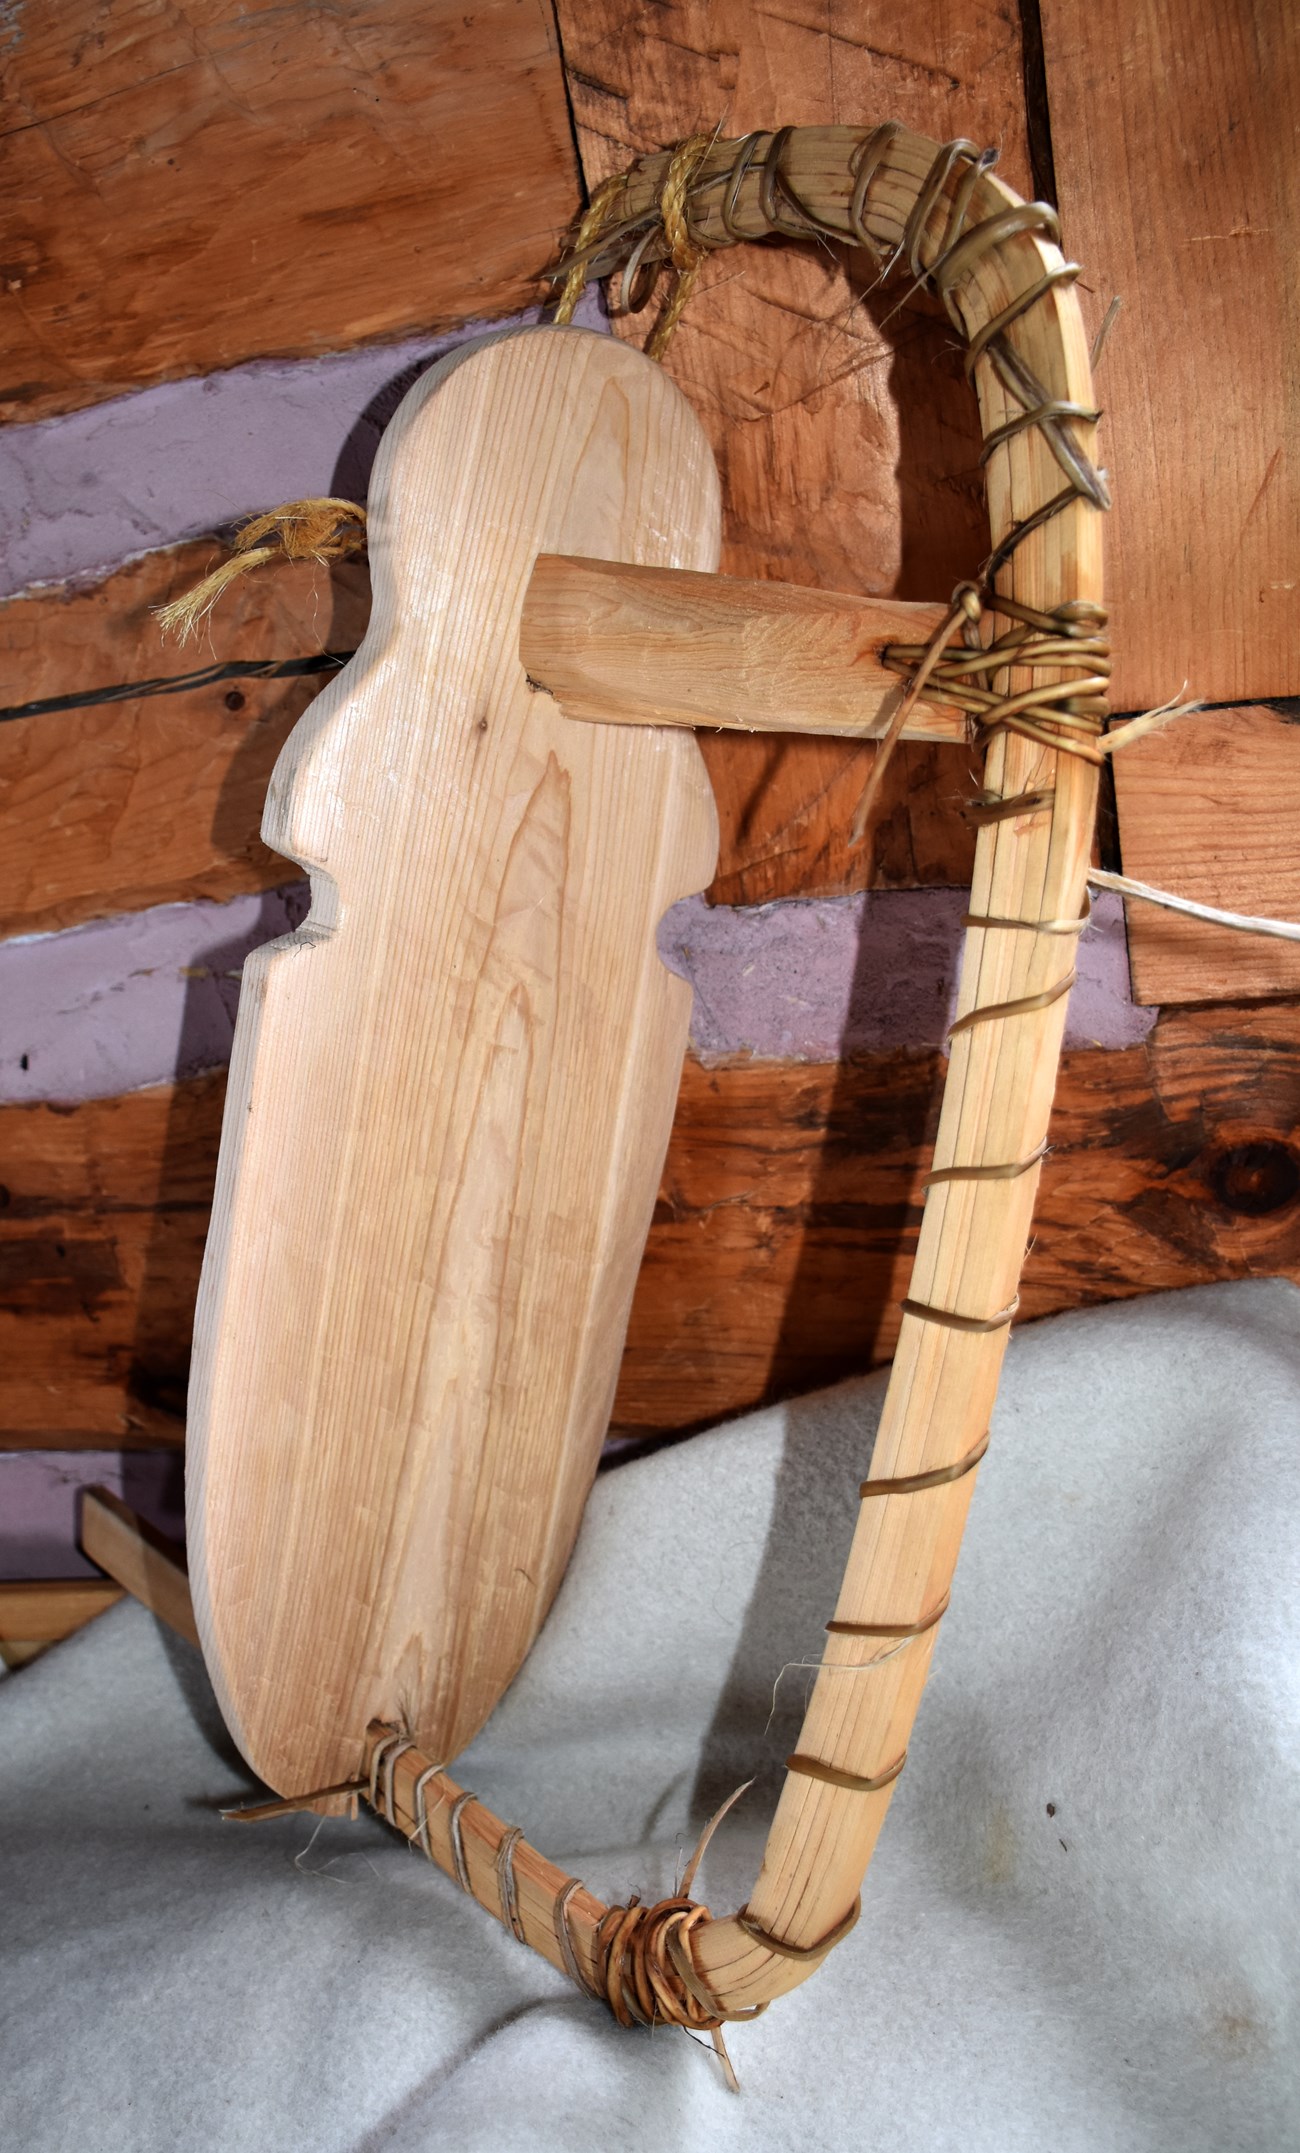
<point>320,530</point>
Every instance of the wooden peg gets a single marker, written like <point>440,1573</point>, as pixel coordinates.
<point>665,646</point>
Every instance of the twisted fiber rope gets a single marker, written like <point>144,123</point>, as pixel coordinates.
<point>321,529</point>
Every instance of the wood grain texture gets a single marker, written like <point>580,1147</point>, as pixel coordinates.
<point>451,1090</point>
<point>1179,190</point>
<point>849,453</point>
<point>46,1610</point>
<point>785,1221</point>
<point>215,183</point>
<point>1007,279</point>
<point>791,1203</point>
<point>147,802</point>
<point>104,1211</point>
<point>659,646</point>
<point>1209,809</point>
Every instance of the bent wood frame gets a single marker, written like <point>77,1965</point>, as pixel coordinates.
<point>1030,870</point>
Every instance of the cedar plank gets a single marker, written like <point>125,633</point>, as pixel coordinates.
<point>1209,809</point>
<point>1178,189</point>
<point>123,805</point>
<point>849,457</point>
<point>191,188</point>
<point>782,1238</point>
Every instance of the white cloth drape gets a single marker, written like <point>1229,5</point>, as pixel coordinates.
<point>1081,1931</point>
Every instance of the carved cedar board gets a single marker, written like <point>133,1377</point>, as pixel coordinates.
<point>451,1091</point>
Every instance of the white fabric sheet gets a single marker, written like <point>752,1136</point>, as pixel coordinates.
<point>1111,1974</point>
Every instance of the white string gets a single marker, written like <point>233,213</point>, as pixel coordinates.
<point>1245,922</point>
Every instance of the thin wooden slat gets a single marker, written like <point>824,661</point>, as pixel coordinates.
<point>43,1611</point>
<point>141,1559</point>
<point>654,646</point>
<point>1178,189</point>
<point>849,455</point>
<point>189,189</point>
<point>782,1236</point>
<point>123,805</point>
<point>1209,810</point>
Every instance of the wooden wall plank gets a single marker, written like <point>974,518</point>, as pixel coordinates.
<point>791,1203</point>
<point>1209,809</point>
<point>1180,191</point>
<point>189,188</point>
<point>849,458</point>
<point>147,802</point>
<point>782,1238</point>
<point>103,1215</point>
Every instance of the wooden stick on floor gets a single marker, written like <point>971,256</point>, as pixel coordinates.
<point>141,1559</point>
<point>38,1612</point>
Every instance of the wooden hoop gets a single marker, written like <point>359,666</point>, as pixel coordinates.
<point>904,195</point>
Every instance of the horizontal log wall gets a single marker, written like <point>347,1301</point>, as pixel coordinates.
<point>1210,808</point>
<point>203,186</point>
<point>781,1241</point>
<point>848,448</point>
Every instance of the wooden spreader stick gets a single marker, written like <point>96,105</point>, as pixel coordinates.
<point>660,646</point>
<point>1038,705</point>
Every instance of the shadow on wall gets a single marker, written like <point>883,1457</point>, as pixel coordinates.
<point>865,1201</point>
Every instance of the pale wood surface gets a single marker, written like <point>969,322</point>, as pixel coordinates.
<point>451,1091</point>
<point>1180,190</point>
<point>192,187</point>
<point>786,1218</point>
<point>43,1611</point>
<point>143,1561</point>
<point>151,801</point>
<point>1209,809</point>
<point>849,450</point>
<point>653,646</point>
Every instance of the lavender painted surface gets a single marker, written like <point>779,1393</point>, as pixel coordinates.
<point>151,996</point>
<point>40,1497</point>
<point>82,492</point>
<point>815,980</point>
<point>136,1000</point>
